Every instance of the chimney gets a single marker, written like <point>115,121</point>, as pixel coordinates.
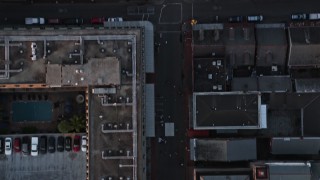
<point>216,35</point>
<point>231,33</point>
<point>246,33</point>
<point>307,35</point>
<point>246,58</point>
<point>201,35</point>
<point>232,58</point>
<point>269,57</point>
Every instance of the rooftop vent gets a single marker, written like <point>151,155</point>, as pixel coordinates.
<point>231,33</point>
<point>246,33</point>
<point>216,35</point>
<point>201,35</point>
<point>307,35</point>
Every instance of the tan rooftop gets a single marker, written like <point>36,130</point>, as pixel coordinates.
<point>98,71</point>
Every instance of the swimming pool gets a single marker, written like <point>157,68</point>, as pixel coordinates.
<point>23,111</point>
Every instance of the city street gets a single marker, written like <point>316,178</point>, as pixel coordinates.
<point>173,73</point>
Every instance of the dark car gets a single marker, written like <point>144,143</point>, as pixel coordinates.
<point>76,143</point>
<point>60,145</point>
<point>17,145</point>
<point>73,21</point>
<point>97,20</point>
<point>1,146</point>
<point>53,21</point>
<point>51,145</point>
<point>26,145</point>
<point>234,19</point>
<point>68,143</point>
<point>43,145</point>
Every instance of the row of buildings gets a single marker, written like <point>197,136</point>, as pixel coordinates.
<point>256,93</point>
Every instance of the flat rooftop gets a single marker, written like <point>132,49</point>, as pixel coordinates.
<point>223,149</point>
<point>227,110</point>
<point>107,60</point>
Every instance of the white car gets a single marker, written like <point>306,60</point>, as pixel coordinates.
<point>256,18</point>
<point>115,19</point>
<point>314,16</point>
<point>84,143</point>
<point>34,146</point>
<point>8,146</point>
<point>33,20</point>
<point>299,16</point>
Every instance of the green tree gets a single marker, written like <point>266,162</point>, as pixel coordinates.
<point>78,123</point>
<point>65,126</point>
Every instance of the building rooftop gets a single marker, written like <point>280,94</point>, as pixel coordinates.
<point>295,146</point>
<point>240,44</point>
<point>223,149</point>
<point>108,58</point>
<point>244,84</point>
<point>289,172</point>
<point>304,45</point>
<point>274,84</point>
<point>271,51</point>
<point>227,110</point>
<point>307,85</point>
<point>209,74</point>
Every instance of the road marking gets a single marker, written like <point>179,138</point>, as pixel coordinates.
<point>164,6</point>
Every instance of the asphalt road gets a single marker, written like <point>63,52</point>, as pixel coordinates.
<point>169,156</point>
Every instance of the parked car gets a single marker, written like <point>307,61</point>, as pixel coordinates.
<point>115,19</point>
<point>73,21</point>
<point>76,143</point>
<point>17,145</point>
<point>256,18</point>
<point>34,20</point>
<point>43,145</point>
<point>25,145</point>
<point>34,146</point>
<point>51,144</point>
<point>68,143</point>
<point>8,146</point>
<point>314,16</point>
<point>97,20</point>
<point>300,16</point>
<point>54,21</point>
<point>84,143</point>
<point>1,146</point>
<point>60,145</point>
<point>234,19</point>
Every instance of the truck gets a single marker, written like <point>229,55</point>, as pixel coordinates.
<point>34,146</point>
<point>314,16</point>
<point>33,20</point>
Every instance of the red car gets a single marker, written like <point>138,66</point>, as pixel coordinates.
<point>17,145</point>
<point>97,20</point>
<point>76,143</point>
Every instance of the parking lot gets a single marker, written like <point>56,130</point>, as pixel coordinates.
<point>50,166</point>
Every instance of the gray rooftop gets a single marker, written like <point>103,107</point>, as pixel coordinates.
<point>274,84</point>
<point>295,146</point>
<point>240,44</point>
<point>234,110</point>
<point>286,172</point>
<point>271,51</point>
<point>304,46</point>
<point>223,150</point>
<point>225,177</point>
<point>244,84</point>
<point>307,85</point>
